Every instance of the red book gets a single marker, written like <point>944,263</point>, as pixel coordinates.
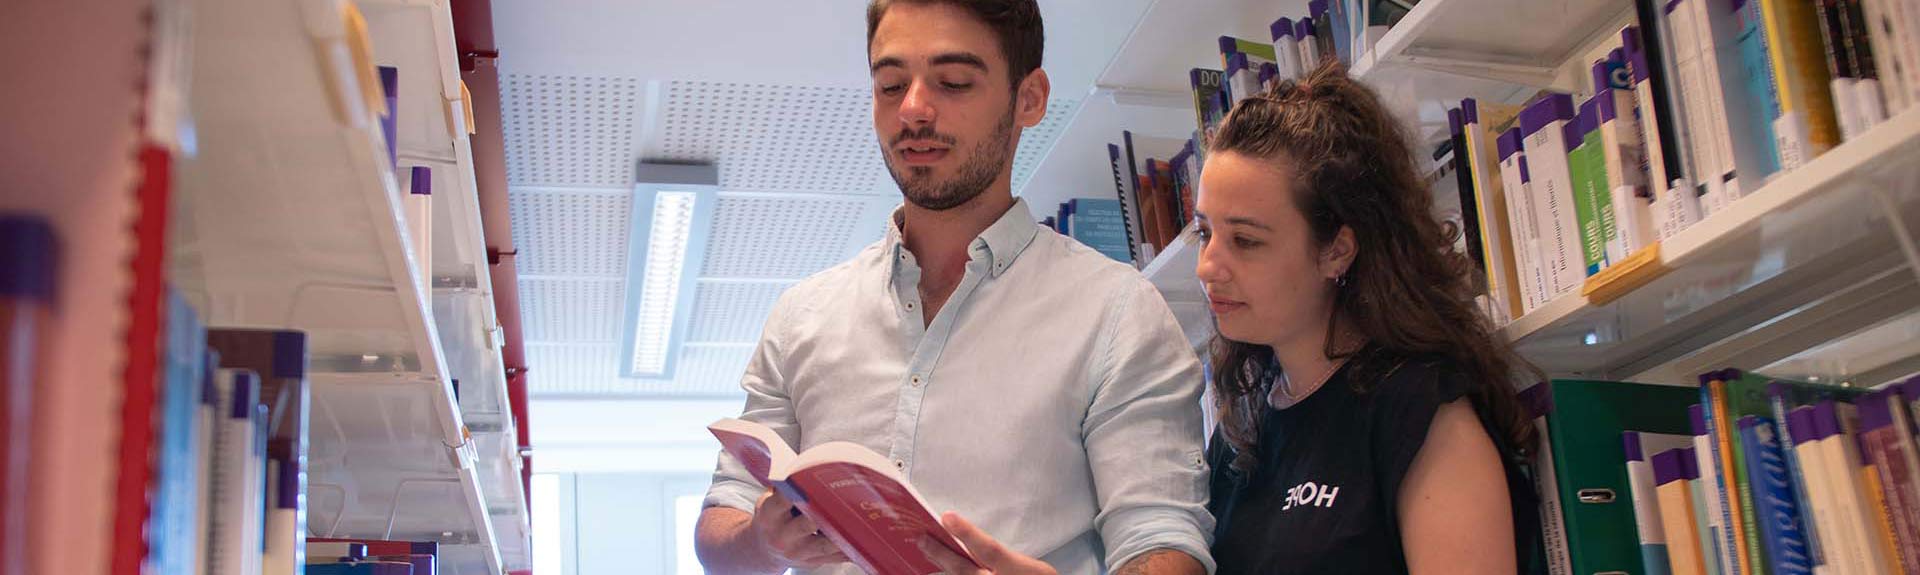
<point>376,547</point>
<point>1886,442</point>
<point>858,499</point>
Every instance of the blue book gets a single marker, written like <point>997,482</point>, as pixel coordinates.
<point>1755,96</point>
<point>1101,225</point>
<point>1783,540</point>
<point>171,521</point>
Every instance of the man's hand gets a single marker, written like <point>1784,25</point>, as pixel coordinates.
<point>996,557</point>
<point>792,538</point>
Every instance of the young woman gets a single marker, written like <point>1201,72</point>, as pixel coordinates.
<point>1368,419</point>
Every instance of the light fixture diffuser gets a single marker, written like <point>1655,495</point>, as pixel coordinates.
<point>672,211</point>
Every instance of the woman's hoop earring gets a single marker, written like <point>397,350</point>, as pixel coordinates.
<point>1341,281</point>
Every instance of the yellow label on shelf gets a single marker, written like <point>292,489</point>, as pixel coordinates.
<point>360,44</point>
<point>1623,277</point>
<point>466,105</point>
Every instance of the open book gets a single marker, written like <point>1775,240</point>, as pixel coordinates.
<point>856,497</point>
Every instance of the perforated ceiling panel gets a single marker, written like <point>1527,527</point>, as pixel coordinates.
<point>571,232</point>
<point>779,237</point>
<point>1036,141</point>
<point>773,138</point>
<point>727,312</point>
<point>572,310</point>
<point>570,130</point>
<point>590,369</point>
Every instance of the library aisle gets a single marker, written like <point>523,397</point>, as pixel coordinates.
<point>304,286</point>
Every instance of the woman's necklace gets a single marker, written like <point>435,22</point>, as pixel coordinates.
<point>1284,396</point>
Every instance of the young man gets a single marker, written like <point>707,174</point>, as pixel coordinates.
<point>1016,377</point>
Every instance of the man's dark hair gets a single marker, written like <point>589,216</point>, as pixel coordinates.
<point>1016,23</point>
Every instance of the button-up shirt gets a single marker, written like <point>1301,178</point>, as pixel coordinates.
<point>1053,400</point>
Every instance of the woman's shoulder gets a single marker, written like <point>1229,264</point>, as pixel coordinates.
<point>1412,379</point>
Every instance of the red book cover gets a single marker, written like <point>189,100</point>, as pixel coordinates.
<point>140,378</point>
<point>855,496</point>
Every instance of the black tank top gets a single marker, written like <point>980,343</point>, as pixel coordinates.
<point>1323,499</point>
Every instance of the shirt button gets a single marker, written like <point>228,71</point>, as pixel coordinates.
<point>910,306</point>
<point>915,380</point>
<point>901,465</point>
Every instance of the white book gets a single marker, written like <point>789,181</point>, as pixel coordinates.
<point>1286,48</point>
<point>1309,47</point>
<point>1625,157</point>
<point>1722,557</point>
<point>1699,86</point>
<point>1906,36</point>
<point>419,207</point>
<point>1887,65</point>
<point>236,494</point>
<point>1545,126</point>
<point>208,422</point>
<point>1553,523</point>
<point>1522,226</point>
<point>1242,80</point>
<point>1868,103</point>
<point>1840,461</point>
<point>1828,526</point>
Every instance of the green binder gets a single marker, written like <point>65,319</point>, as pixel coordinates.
<point>1584,425</point>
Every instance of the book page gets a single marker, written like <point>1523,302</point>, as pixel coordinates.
<point>756,446</point>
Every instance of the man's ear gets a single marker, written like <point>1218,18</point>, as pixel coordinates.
<point>1030,101</point>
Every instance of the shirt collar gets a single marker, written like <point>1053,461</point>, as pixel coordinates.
<point>1002,242</point>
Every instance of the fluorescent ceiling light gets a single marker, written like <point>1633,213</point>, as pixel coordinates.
<point>660,280</point>
<point>672,210</point>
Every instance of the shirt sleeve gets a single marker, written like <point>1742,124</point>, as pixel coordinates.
<point>767,404</point>
<point>1143,434</point>
<point>1404,404</point>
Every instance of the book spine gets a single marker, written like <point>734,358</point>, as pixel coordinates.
<point>1806,127</point>
<point>1129,211</point>
<point>1880,517</point>
<point>1675,488</point>
<point>1625,156</point>
<point>1553,519</point>
<point>1469,203</point>
<point>1906,36</point>
<point>1881,49</point>
<point>1883,438</point>
<point>1747,82</point>
<point>1802,495</point>
<point>1712,508</point>
<point>1869,101</point>
<point>1844,469</point>
<point>1907,444</point>
<point>1502,276</point>
<point>1830,15</point>
<point>1521,222</point>
<point>1545,125</point>
<point>1776,514</point>
<point>1714,131</point>
<point>1719,426</point>
<point>1646,507</point>
<point>1695,105</point>
<point>1593,207</point>
<point>1825,509</point>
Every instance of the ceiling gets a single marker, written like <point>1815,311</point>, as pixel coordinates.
<point>773,92</point>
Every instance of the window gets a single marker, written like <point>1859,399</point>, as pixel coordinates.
<point>547,558</point>
<point>686,513</point>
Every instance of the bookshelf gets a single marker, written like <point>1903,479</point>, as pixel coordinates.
<point>1812,257</point>
<point>288,136</point>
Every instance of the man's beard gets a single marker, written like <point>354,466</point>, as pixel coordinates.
<point>988,160</point>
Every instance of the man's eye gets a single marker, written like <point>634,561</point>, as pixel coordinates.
<point>892,89</point>
<point>957,86</point>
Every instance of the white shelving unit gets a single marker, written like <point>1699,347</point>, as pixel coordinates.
<point>1809,275</point>
<point>287,137</point>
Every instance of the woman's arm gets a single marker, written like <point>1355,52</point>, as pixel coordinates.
<point>1455,511</point>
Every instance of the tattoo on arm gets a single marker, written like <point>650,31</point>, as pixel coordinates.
<point>1161,561</point>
